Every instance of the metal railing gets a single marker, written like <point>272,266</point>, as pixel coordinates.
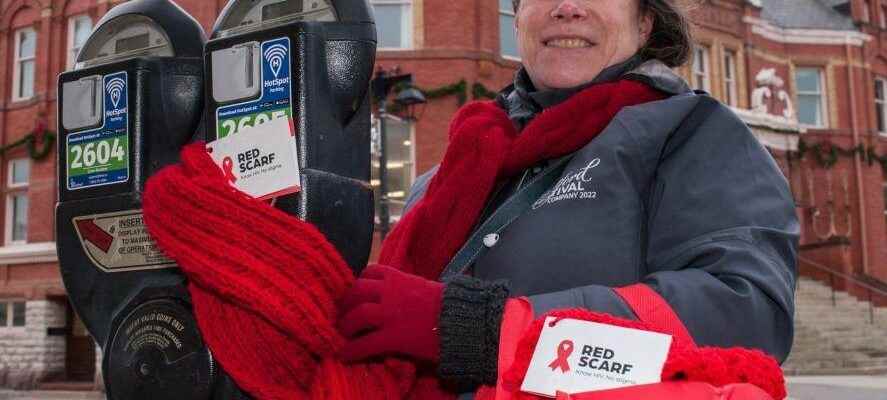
<point>833,275</point>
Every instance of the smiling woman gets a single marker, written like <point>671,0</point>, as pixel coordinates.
<point>598,180</point>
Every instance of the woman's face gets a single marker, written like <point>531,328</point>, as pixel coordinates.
<point>566,43</point>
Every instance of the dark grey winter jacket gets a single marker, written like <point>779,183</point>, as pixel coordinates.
<point>700,213</point>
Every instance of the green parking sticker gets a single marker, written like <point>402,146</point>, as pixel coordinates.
<point>231,126</point>
<point>105,155</point>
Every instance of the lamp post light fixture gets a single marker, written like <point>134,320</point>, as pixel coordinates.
<point>407,98</point>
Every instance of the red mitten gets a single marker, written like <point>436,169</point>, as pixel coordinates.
<point>389,312</point>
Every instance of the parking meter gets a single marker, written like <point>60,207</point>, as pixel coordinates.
<point>310,61</point>
<point>133,100</point>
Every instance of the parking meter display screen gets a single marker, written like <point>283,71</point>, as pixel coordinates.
<point>132,43</point>
<point>100,156</point>
<point>274,95</point>
<point>272,11</point>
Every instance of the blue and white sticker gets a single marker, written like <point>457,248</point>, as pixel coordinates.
<point>274,101</point>
<point>100,156</point>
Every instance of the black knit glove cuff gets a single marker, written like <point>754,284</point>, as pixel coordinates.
<point>470,318</point>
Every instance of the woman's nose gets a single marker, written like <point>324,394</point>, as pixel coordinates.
<point>569,10</point>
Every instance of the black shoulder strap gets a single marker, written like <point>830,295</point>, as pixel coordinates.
<point>504,216</point>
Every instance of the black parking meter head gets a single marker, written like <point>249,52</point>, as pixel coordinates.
<point>312,61</point>
<point>133,100</point>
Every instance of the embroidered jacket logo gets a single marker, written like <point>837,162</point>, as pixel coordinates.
<point>571,186</point>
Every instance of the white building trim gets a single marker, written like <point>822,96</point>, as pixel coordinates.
<point>28,253</point>
<point>774,132</point>
<point>805,36</point>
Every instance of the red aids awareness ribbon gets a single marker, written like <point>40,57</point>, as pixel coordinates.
<point>228,169</point>
<point>563,353</point>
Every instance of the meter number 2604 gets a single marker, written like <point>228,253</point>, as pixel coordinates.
<point>98,153</point>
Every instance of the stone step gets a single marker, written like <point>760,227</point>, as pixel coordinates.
<point>50,395</point>
<point>835,336</point>
<point>810,356</point>
<point>859,344</point>
<point>835,371</point>
<point>827,306</point>
<point>844,331</point>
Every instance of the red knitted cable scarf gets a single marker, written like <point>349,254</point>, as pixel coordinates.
<point>265,285</point>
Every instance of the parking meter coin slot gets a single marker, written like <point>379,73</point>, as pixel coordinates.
<point>241,78</point>
<point>82,106</point>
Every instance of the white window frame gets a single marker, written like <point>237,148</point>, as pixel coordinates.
<point>823,101</point>
<point>17,61</point>
<point>866,11</point>
<point>13,190</point>
<point>705,63</point>
<point>10,314</point>
<point>72,27</point>
<point>406,27</point>
<point>881,107</point>
<point>731,87</point>
<point>508,12</point>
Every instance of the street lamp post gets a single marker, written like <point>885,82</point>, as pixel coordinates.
<point>382,85</point>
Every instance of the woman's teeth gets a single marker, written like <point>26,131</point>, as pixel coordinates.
<point>568,43</point>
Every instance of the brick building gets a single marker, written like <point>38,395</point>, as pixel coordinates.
<point>808,75</point>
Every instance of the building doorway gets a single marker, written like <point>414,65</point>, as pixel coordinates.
<point>80,350</point>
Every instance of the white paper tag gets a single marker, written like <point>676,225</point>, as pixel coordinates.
<point>576,356</point>
<point>260,160</point>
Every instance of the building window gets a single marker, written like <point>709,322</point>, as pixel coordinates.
<point>24,64</point>
<point>12,314</point>
<point>866,17</point>
<point>401,164</point>
<point>730,88</point>
<point>881,104</point>
<point>394,22</point>
<point>882,16</point>
<point>701,71</point>
<point>79,28</point>
<point>18,178</point>
<point>811,102</point>
<point>507,35</point>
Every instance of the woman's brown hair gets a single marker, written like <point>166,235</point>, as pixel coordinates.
<point>670,40</point>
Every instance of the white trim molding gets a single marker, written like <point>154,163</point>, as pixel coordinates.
<point>774,132</point>
<point>29,253</point>
<point>805,36</point>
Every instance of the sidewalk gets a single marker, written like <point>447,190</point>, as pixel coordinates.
<point>837,387</point>
<point>50,395</point>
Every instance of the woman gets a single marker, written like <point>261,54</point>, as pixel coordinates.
<point>673,202</point>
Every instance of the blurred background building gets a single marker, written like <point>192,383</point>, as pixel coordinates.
<point>809,77</point>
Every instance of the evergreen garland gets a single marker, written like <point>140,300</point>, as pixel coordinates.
<point>458,89</point>
<point>826,154</point>
<point>37,151</point>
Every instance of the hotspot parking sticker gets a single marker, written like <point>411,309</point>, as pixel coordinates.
<point>100,156</point>
<point>274,101</point>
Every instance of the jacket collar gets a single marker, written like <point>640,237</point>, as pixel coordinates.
<point>659,76</point>
<point>522,101</point>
